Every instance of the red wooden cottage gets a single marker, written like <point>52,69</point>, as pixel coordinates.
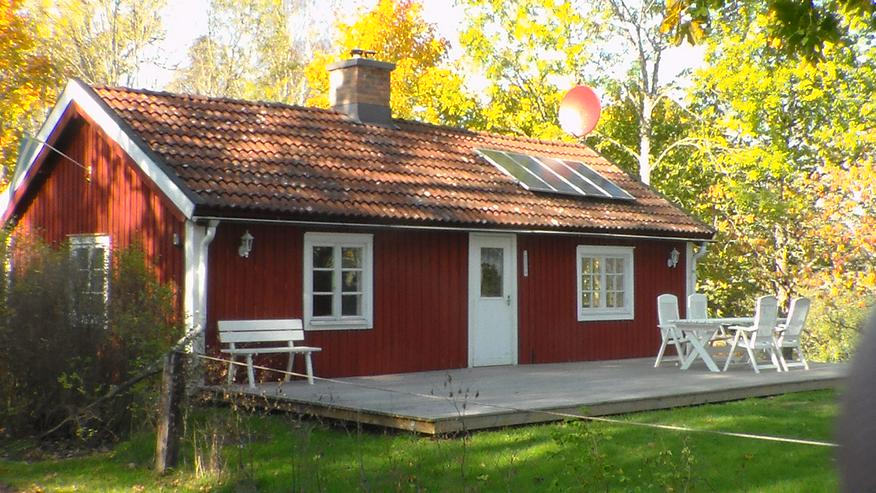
<point>403,246</point>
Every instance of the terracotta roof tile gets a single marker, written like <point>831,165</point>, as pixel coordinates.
<point>266,159</point>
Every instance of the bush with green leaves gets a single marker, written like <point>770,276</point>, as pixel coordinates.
<point>63,351</point>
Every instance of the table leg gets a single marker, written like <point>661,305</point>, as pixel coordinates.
<point>699,351</point>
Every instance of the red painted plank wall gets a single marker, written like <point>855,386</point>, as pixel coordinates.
<point>548,327</point>
<point>117,200</point>
<point>420,305</point>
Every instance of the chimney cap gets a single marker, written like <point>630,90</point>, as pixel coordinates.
<point>362,53</point>
<point>361,62</point>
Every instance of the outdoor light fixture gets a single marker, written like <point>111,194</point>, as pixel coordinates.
<point>245,245</point>
<point>672,261</point>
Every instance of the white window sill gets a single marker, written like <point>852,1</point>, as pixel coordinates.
<point>603,316</point>
<point>353,324</point>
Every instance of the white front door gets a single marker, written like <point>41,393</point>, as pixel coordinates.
<point>492,295</point>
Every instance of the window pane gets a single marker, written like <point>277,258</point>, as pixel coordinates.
<point>586,282</point>
<point>351,304</point>
<point>323,257</point>
<point>97,258</point>
<point>97,281</point>
<point>322,305</point>
<point>351,257</point>
<point>610,300</point>
<point>80,258</point>
<point>491,272</point>
<point>352,281</point>
<point>586,265</point>
<point>586,299</point>
<point>322,281</point>
<point>615,300</point>
<point>614,265</point>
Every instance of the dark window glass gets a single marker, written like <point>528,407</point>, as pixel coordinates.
<point>322,305</point>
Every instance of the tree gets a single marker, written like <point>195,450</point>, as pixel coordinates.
<point>530,52</point>
<point>255,49</point>
<point>796,27</point>
<point>778,122</point>
<point>104,42</point>
<point>422,87</point>
<point>637,23</point>
<point>26,79</point>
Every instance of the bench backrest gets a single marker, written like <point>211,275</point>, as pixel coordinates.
<point>260,331</point>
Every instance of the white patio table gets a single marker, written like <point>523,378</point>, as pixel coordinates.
<point>699,331</point>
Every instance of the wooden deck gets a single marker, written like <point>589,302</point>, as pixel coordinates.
<point>446,401</point>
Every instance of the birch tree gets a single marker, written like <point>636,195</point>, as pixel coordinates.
<point>256,49</point>
<point>105,42</point>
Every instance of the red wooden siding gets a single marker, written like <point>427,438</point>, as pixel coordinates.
<point>548,327</point>
<point>420,304</point>
<point>117,200</point>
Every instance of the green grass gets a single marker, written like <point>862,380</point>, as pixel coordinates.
<point>280,453</point>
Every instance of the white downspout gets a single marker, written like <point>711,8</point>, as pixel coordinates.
<point>197,245</point>
<point>692,260</point>
<point>201,309</point>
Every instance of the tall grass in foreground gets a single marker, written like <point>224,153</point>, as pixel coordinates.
<point>231,450</point>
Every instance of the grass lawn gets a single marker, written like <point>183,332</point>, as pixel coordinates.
<point>281,453</point>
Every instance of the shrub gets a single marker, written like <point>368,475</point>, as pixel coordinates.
<point>63,351</point>
<point>835,324</point>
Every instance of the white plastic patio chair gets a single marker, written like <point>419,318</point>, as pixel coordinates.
<point>697,306</point>
<point>667,310</point>
<point>760,336</point>
<point>698,309</point>
<point>789,333</point>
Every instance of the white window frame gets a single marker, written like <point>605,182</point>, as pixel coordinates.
<point>92,241</point>
<point>627,312</point>
<point>337,241</point>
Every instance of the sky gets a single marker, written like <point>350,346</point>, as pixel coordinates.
<point>185,20</point>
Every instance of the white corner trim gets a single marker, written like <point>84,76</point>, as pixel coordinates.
<point>75,92</point>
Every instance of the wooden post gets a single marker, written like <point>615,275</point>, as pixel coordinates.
<point>170,412</point>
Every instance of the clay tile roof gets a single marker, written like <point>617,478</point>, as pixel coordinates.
<point>268,160</point>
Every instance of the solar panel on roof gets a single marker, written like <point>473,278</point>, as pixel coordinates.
<point>587,187</point>
<point>602,182</point>
<point>546,174</point>
<point>507,164</point>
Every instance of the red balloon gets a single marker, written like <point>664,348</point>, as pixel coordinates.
<point>579,111</point>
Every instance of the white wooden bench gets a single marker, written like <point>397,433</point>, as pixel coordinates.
<point>251,337</point>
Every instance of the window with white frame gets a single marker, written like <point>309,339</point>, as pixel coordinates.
<point>605,282</point>
<point>338,281</point>
<point>90,256</point>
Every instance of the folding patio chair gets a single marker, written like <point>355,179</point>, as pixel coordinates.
<point>760,336</point>
<point>697,306</point>
<point>667,309</point>
<point>789,333</point>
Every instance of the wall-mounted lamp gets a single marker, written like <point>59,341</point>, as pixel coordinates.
<point>672,261</point>
<point>245,245</point>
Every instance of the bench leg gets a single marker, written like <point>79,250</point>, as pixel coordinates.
<point>289,367</point>
<point>231,369</point>
<point>249,371</point>
<point>309,368</point>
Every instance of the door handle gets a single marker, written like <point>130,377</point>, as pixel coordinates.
<point>508,300</point>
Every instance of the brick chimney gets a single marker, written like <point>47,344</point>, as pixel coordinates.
<point>359,88</point>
